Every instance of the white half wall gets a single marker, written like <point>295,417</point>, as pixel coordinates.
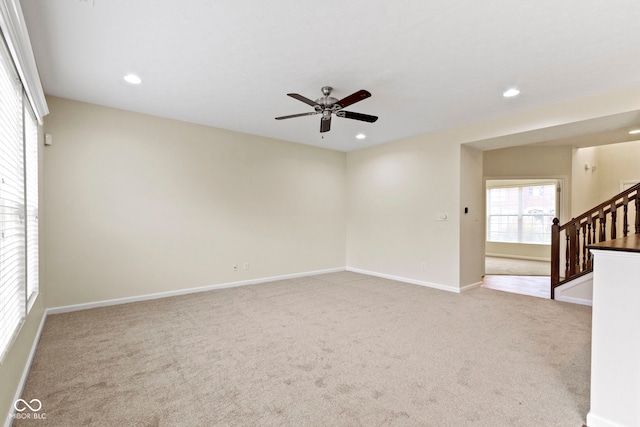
<point>578,291</point>
<point>615,340</point>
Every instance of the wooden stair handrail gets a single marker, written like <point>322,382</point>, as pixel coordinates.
<point>575,243</point>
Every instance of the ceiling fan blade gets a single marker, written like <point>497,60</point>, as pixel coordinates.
<point>303,99</point>
<point>353,98</point>
<point>357,116</point>
<point>325,124</point>
<point>297,115</point>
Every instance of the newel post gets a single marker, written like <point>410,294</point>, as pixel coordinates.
<point>555,255</point>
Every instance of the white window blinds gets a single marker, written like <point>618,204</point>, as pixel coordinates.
<point>521,213</point>
<point>18,203</point>
<point>12,213</point>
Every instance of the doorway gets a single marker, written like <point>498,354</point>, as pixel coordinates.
<point>519,215</point>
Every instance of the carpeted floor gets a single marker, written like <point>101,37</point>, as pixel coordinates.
<point>339,349</point>
<point>516,267</point>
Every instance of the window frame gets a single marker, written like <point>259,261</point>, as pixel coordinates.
<point>19,287</point>
<point>32,203</point>
<point>520,184</point>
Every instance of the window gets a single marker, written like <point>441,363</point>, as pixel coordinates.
<point>31,203</point>
<point>521,213</point>
<point>18,203</point>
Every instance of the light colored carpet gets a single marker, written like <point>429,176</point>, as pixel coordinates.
<point>339,349</point>
<point>516,267</point>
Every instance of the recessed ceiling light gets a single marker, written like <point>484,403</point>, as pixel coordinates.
<point>361,136</point>
<point>133,79</point>
<point>511,92</point>
<point>635,131</point>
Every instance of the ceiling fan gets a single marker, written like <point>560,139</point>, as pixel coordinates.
<point>328,105</point>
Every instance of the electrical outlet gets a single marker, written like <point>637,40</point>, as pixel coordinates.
<point>235,267</point>
<point>246,265</point>
<point>423,266</point>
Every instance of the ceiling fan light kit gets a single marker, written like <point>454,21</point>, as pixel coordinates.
<point>328,105</point>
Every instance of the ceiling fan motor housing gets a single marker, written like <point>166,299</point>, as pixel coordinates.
<point>326,101</point>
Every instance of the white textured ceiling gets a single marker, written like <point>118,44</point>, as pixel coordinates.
<point>429,65</point>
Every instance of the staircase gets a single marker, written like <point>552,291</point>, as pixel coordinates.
<point>569,241</point>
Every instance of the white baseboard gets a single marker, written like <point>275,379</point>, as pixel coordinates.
<point>528,258</point>
<point>471,286</point>
<point>125,300</point>
<point>411,281</point>
<point>574,300</point>
<point>25,371</point>
<point>597,421</point>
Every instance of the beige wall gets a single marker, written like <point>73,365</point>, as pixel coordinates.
<point>139,205</point>
<point>15,363</point>
<point>528,162</point>
<point>616,163</point>
<point>610,165</point>
<point>394,192</point>
<point>472,229</point>
<point>16,360</point>
<point>585,192</point>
